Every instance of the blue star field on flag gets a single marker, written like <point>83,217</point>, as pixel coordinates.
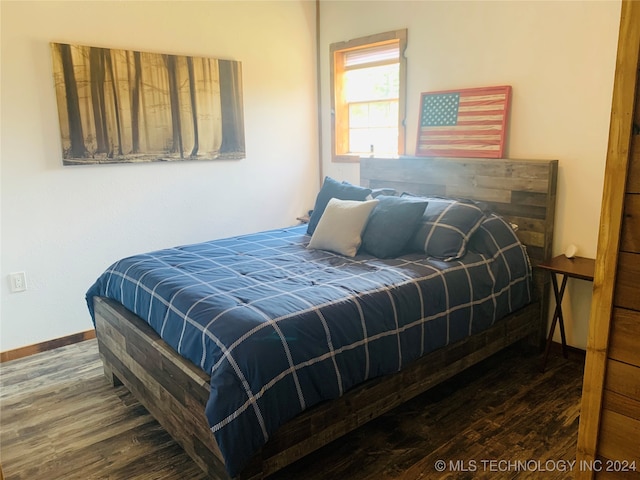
<point>440,110</point>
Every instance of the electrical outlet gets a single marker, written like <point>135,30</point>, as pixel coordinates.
<point>18,282</point>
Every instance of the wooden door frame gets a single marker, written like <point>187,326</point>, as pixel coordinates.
<point>618,151</point>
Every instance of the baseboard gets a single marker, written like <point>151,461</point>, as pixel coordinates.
<point>573,352</point>
<point>47,345</point>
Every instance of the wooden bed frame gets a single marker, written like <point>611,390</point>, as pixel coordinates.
<point>175,391</point>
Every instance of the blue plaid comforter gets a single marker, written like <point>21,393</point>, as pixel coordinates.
<point>280,327</point>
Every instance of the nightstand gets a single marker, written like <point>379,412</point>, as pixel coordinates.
<point>577,267</point>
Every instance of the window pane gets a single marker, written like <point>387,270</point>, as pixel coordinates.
<point>383,140</point>
<point>373,114</point>
<point>386,141</point>
<point>374,83</point>
<point>359,115</point>
<point>360,141</point>
<point>373,124</point>
<point>383,114</point>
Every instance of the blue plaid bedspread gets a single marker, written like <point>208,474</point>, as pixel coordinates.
<point>280,327</point>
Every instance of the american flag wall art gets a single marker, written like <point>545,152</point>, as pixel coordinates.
<point>464,123</point>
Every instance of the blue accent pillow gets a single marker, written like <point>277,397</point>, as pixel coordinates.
<point>446,226</point>
<point>333,189</point>
<point>391,225</point>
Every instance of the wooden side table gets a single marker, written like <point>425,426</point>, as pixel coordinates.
<point>576,267</point>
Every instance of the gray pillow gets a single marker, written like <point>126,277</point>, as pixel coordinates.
<point>333,189</point>
<point>391,225</point>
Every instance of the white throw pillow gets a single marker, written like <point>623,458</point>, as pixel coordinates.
<point>341,225</point>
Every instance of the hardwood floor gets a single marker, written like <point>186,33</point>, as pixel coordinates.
<point>502,419</point>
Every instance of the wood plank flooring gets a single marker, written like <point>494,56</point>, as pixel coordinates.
<point>59,419</point>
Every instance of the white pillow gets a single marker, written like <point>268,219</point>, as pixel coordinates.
<point>341,225</point>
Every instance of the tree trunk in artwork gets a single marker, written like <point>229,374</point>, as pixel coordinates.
<point>175,105</point>
<point>96,69</point>
<point>116,102</point>
<point>135,103</point>
<point>194,103</point>
<point>211,121</point>
<point>76,137</point>
<point>231,103</point>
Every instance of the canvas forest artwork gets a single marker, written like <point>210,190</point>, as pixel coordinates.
<point>123,106</point>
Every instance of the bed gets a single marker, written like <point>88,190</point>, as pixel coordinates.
<point>315,397</point>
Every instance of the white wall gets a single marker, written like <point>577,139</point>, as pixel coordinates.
<point>64,225</point>
<point>558,56</point>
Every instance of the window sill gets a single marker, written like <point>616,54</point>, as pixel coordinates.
<point>356,158</point>
<point>347,158</point>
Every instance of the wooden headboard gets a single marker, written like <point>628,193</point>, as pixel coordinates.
<point>522,191</point>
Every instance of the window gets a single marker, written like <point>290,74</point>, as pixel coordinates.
<point>368,95</point>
